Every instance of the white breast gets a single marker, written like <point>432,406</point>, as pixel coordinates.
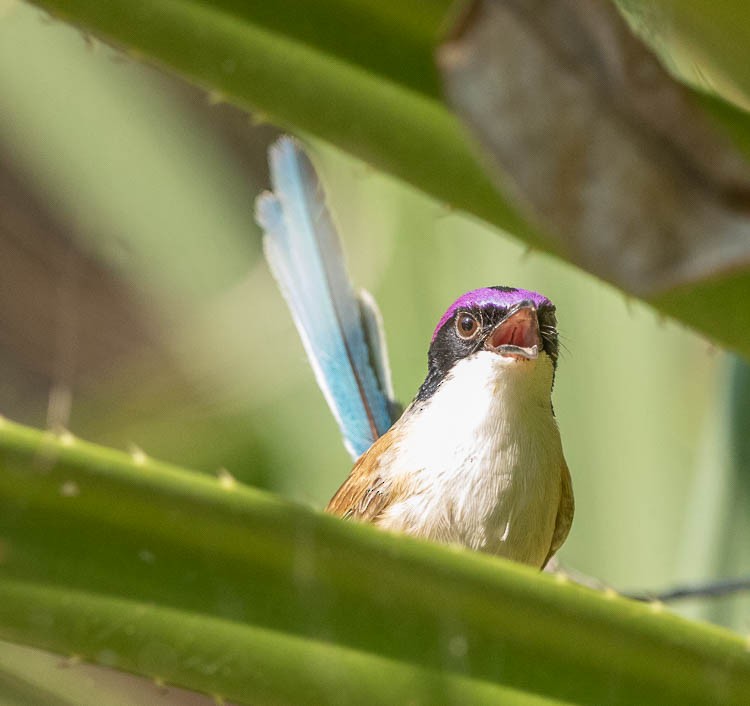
<point>482,459</point>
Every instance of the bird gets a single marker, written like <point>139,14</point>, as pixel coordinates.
<point>476,458</point>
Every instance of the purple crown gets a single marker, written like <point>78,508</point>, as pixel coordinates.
<point>489,296</point>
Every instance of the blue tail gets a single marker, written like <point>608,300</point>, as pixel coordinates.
<point>340,331</point>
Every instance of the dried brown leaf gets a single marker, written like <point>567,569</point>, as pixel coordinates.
<point>598,144</point>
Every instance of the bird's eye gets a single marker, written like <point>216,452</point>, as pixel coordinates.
<point>467,325</point>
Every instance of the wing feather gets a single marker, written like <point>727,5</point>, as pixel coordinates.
<point>365,494</point>
<point>565,512</point>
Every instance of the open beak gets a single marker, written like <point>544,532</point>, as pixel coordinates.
<point>517,335</point>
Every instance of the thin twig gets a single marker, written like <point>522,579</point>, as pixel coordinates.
<point>712,589</point>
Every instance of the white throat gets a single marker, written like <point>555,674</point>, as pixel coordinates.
<point>482,459</point>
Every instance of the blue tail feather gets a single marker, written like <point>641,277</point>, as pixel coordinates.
<point>302,247</point>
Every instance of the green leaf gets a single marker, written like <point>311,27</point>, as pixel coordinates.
<point>216,587</point>
<point>33,677</point>
<point>700,40</point>
<point>360,74</point>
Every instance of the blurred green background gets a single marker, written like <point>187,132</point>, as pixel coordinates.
<point>136,310</point>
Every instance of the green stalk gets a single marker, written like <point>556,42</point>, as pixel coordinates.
<point>360,74</point>
<point>146,567</point>
<point>300,84</point>
<point>226,658</point>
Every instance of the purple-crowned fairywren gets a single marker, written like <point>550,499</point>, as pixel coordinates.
<point>476,459</point>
